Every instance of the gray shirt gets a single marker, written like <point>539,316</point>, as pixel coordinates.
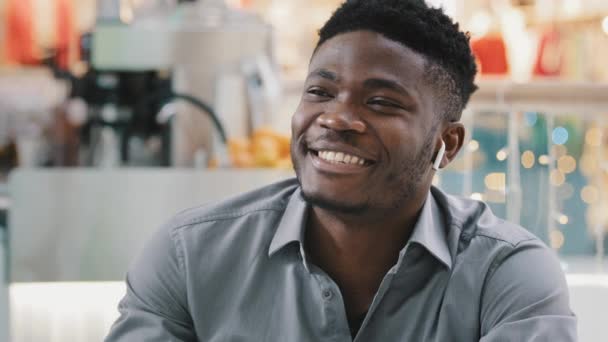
<point>238,271</point>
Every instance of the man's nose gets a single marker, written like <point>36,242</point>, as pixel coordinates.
<point>342,117</point>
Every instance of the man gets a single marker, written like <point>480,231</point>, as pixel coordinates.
<point>361,246</point>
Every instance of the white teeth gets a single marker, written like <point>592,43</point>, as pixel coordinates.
<point>341,157</point>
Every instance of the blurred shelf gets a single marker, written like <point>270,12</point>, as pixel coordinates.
<point>570,22</point>
<point>550,96</point>
<point>580,17</point>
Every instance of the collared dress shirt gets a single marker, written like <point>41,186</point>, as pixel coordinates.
<point>238,271</point>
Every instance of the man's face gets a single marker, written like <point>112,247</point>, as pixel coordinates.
<point>363,134</point>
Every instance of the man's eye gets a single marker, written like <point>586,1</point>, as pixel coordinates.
<point>318,92</point>
<point>384,103</point>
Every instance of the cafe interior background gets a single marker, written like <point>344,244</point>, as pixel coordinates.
<point>115,114</point>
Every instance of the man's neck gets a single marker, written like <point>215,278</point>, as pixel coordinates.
<point>370,241</point>
<point>357,251</point>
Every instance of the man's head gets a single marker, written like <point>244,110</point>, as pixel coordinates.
<point>428,31</point>
<point>387,83</point>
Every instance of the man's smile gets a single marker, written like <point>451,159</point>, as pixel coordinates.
<point>340,157</point>
<point>337,162</point>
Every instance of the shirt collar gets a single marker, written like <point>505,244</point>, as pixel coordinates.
<point>429,230</point>
<point>292,224</point>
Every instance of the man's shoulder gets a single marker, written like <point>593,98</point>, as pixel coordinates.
<point>273,197</point>
<point>475,220</point>
<point>502,264</point>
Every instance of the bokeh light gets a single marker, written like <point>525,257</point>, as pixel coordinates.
<point>436,180</point>
<point>593,137</point>
<point>566,164</point>
<point>590,194</point>
<point>560,135</point>
<point>477,196</point>
<point>527,159</point>
<point>530,118</point>
<point>557,239</point>
<point>559,150</point>
<point>473,145</point>
<point>496,181</point>
<point>557,178</point>
<point>502,154</point>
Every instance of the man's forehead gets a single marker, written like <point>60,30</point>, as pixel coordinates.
<point>368,51</point>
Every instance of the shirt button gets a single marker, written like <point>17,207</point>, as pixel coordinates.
<point>327,294</point>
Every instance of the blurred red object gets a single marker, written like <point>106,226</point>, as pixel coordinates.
<point>550,55</point>
<point>491,53</point>
<point>67,46</point>
<point>246,3</point>
<point>20,45</point>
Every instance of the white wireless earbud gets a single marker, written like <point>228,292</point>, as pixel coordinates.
<point>439,156</point>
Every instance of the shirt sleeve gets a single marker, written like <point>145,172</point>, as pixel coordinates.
<point>526,298</point>
<point>155,305</point>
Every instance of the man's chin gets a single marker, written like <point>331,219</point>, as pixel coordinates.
<point>335,205</point>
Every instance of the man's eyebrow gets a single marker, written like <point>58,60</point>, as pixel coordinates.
<point>324,73</point>
<point>380,83</point>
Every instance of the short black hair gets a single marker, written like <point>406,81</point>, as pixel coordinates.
<point>429,31</point>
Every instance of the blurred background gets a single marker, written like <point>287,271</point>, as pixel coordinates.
<point>115,114</point>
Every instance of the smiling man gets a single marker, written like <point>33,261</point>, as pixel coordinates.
<point>360,246</point>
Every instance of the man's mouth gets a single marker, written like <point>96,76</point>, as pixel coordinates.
<point>338,157</point>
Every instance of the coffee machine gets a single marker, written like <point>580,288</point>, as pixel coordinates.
<point>171,82</point>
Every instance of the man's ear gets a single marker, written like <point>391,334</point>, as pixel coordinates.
<point>453,137</point>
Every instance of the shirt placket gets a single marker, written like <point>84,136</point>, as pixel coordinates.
<point>380,294</point>
<point>333,306</point>
<point>382,290</point>
<point>333,303</point>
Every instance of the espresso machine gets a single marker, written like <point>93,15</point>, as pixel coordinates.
<point>170,82</point>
